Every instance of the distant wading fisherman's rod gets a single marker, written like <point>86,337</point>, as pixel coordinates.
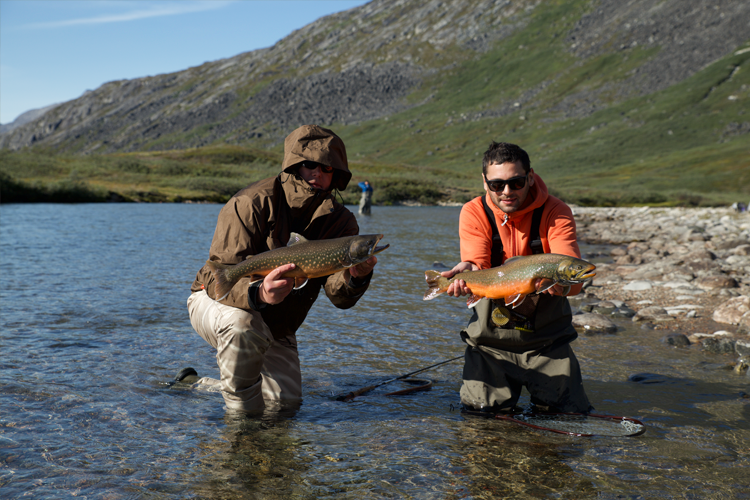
<point>424,384</point>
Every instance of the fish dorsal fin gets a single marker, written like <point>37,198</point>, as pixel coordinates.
<point>517,257</point>
<point>296,239</point>
<point>473,300</point>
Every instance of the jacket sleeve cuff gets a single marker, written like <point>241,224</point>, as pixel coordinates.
<point>359,282</point>
<point>252,297</point>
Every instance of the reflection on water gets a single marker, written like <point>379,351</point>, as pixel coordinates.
<point>93,324</point>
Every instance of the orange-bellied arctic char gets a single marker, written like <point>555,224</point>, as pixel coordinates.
<point>516,278</point>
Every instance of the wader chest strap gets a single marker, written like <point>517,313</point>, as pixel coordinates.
<point>535,241</point>
<point>497,243</point>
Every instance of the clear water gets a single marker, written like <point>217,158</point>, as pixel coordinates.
<point>93,324</point>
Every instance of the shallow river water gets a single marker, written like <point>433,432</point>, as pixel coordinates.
<point>93,325</point>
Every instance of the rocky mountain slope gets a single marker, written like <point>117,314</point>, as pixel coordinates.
<point>389,56</point>
<point>24,118</point>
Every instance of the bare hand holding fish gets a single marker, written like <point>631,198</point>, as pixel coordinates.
<point>513,281</point>
<point>274,288</point>
<point>458,287</point>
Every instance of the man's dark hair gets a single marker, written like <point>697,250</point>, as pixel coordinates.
<point>501,152</point>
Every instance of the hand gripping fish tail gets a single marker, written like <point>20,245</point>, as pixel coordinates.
<point>436,283</point>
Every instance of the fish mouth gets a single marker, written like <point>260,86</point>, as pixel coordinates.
<point>586,274</point>
<point>378,249</point>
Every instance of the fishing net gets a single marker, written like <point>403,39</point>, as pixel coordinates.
<point>573,424</point>
<point>580,425</point>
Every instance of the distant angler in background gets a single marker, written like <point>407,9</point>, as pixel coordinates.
<point>366,201</point>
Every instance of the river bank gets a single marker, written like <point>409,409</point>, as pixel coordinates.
<point>682,272</point>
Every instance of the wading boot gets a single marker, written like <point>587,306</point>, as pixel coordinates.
<point>187,376</point>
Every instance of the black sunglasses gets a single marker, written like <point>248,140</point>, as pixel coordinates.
<point>311,165</point>
<point>514,183</point>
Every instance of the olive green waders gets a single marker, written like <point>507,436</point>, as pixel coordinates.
<point>252,364</point>
<point>536,354</point>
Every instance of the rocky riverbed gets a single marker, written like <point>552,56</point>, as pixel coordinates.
<point>683,273</point>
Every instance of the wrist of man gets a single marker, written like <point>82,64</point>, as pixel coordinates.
<point>359,281</point>
<point>254,296</point>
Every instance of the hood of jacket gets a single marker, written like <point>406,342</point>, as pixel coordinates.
<point>321,145</point>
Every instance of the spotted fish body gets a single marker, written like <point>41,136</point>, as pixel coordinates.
<point>312,259</point>
<point>516,278</point>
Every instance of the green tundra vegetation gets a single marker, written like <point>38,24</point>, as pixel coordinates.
<point>686,145</point>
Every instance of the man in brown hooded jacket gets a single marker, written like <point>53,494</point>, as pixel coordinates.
<point>253,328</point>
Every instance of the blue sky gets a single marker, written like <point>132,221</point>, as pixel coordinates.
<point>53,51</point>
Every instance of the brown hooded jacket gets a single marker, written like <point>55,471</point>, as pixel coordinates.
<point>261,217</point>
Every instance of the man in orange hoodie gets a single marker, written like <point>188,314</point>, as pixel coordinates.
<point>530,345</point>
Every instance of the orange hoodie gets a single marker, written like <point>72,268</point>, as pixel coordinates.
<point>557,229</point>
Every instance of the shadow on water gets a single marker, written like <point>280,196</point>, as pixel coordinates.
<point>93,325</point>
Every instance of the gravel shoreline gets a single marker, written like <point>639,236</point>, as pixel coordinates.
<point>682,271</point>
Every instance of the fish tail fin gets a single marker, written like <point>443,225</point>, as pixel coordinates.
<point>436,284</point>
<point>223,284</point>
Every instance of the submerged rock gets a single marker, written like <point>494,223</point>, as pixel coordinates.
<point>719,344</point>
<point>676,339</point>
<point>594,323</point>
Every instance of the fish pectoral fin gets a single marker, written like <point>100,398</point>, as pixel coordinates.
<point>300,282</point>
<point>520,301</point>
<point>515,300</point>
<point>565,290</point>
<point>544,284</point>
<point>473,300</point>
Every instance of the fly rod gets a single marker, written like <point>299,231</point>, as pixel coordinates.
<point>359,392</point>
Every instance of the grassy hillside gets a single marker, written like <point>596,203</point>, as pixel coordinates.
<point>685,145</point>
<point>593,139</point>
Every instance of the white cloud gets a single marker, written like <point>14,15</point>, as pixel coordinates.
<point>156,10</point>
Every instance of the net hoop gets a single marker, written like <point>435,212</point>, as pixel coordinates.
<point>578,424</point>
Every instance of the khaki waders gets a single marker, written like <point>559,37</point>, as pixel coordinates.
<point>252,364</point>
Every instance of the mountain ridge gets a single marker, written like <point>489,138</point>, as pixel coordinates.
<point>364,63</point>
<point>616,102</point>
